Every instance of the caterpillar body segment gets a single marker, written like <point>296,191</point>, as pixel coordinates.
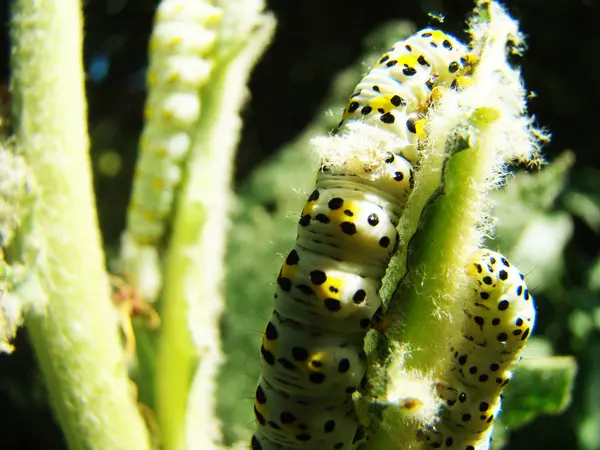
<point>499,317</point>
<point>312,356</point>
<point>183,36</point>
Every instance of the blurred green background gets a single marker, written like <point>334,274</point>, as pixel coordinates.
<point>315,40</point>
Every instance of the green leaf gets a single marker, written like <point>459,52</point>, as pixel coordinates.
<point>539,386</point>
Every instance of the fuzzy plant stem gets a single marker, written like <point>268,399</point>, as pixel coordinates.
<point>189,353</point>
<point>74,334</point>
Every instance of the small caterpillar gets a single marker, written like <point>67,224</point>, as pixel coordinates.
<point>499,317</point>
<point>312,355</point>
<point>178,69</point>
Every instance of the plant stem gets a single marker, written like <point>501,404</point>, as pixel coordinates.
<point>74,334</point>
<point>190,348</point>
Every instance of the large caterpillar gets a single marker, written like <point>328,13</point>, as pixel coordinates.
<point>327,290</point>
<point>178,69</point>
<point>499,317</point>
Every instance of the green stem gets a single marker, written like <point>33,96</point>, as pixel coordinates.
<point>74,333</point>
<point>190,350</point>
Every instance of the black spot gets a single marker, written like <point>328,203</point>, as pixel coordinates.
<point>503,305</point>
<point>299,353</point>
<point>396,100</point>
<point>525,335</point>
<point>487,280</point>
<point>479,320</point>
<point>526,294</point>
<point>484,295</point>
<point>259,417</point>
<point>318,277</point>
<point>449,441</point>
<point>366,110</point>
<point>304,220</point>
<point>433,44</point>
<point>391,63</point>
<point>350,390</point>
<point>483,406</point>
<point>333,289</point>
<point>466,417</point>
<point>492,260</point>
<point>260,395</point>
<point>494,367</point>
<point>462,360</point>
<point>329,426</point>
<point>332,304</point>
<point>304,437</point>
<point>305,289</point>
<point>502,337</point>
<point>453,67</point>
<point>410,124</point>
<point>348,212</point>
<point>317,378</point>
<point>389,158</point>
<point>398,176</point>
<point>519,290</point>
<point>421,60</point>
<point>271,332</point>
<point>286,364</point>
<point>344,365</point>
<point>314,196</point>
<point>409,71</point>
<point>479,268</point>
<point>364,323</point>
<point>373,219</point>
<point>490,419</point>
<point>316,363</point>
<point>470,447</point>
<point>255,445</point>
<point>348,228</point>
<point>505,262</point>
<point>359,296</point>
<point>462,397</point>
<point>384,59</point>
<point>353,106</point>
<point>517,332</point>
<point>376,88</point>
<point>335,203</point>
<point>338,446</point>
<point>287,417</point>
<point>387,118</point>
<point>408,47</point>
<point>495,321</point>
<point>483,378</point>
<point>267,355</point>
<point>322,218</point>
<point>447,44</point>
<point>473,370</point>
<point>384,242</point>
<point>284,283</point>
<point>426,34</point>
<point>292,258</point>
<point>503,275</point>
<point>274,425</point>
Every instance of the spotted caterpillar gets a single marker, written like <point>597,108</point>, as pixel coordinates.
<point>499,317</point>
<point>312,355</point>
<point>181,39</point>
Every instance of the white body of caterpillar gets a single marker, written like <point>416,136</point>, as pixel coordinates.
<point>499,317</point>
<point>178,69</point>
<point>312,349</point>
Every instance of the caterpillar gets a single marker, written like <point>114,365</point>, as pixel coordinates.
<point>499,317</point>
<point>312,357</point>
<point>178,69</point>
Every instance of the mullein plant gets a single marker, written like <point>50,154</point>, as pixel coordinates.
<point>53,273</point>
